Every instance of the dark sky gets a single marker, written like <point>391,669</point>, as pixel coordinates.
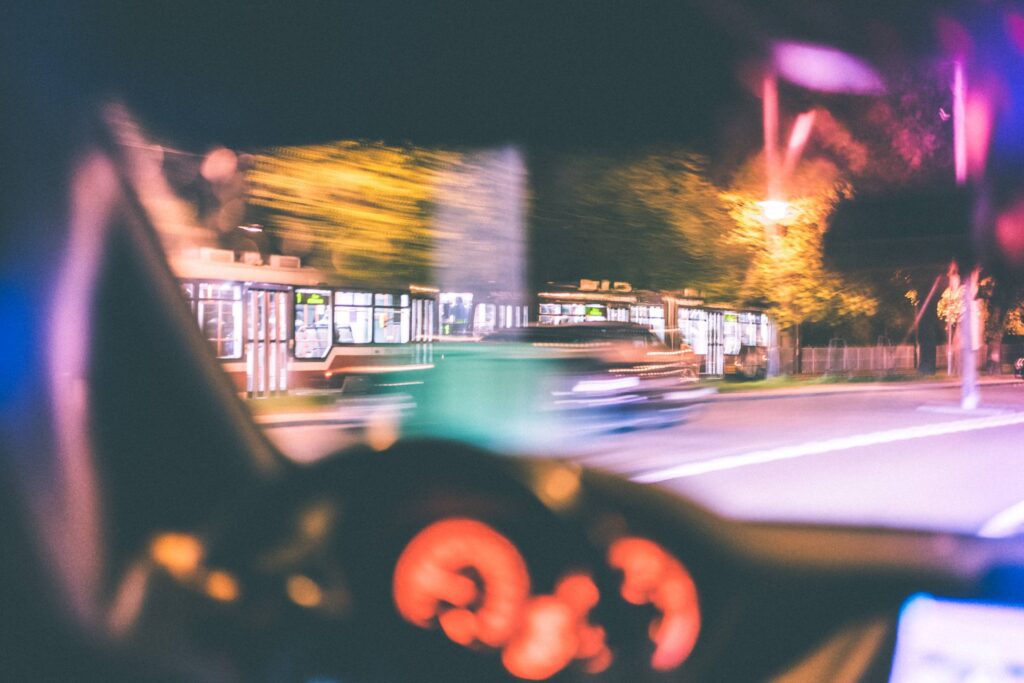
<point>471,73</point>
<point>578,75</point>
<point>553,73</point>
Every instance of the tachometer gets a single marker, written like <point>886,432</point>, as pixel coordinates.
<point>466,577</point>
<point>653,576</point>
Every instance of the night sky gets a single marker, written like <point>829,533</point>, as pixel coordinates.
<point>570,75</point>
<point>556,74</point>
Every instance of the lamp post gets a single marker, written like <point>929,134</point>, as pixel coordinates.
<point>969,393</point>
<point>814,67</point>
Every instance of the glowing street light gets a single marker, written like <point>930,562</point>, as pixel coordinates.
<point>774,209</point>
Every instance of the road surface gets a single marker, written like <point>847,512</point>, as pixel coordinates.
<point>908,458</point>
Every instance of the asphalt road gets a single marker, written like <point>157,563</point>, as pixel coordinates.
<point>909,458</point>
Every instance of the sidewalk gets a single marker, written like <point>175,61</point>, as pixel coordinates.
<point>855,387</point>
<point>351,412</point>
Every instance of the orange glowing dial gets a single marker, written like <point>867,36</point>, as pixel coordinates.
<point>652,576</point>
<point>466,577</point>
<point>555,631</point>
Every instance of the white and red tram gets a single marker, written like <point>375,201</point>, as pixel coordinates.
<point>281,326</point>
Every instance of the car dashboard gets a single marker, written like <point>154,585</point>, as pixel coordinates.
<point>471,566</point>
<point>435,560</point>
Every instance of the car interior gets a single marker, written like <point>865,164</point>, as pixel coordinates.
<point>152,532</point>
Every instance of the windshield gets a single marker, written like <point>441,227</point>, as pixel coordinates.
<point>767,257</point>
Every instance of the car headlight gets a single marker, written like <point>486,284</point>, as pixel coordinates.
<point>605,385</point>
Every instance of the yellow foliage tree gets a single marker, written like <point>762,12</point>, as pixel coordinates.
<point>359,208</point>
<point>787,270</point>
<point>675,187</point>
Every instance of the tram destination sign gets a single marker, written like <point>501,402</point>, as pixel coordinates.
<point>312,298</point>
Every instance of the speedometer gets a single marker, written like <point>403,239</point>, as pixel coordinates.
<point>467,577</point>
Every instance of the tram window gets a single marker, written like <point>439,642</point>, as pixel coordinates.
<point>353,317</point>
<point>748,329</point>
<point>352,324</point>
<point>188,289</point>
<point>391,300</point>
<point>693,328</point>
<point>219,311</point>
<point>485,318</point>
<point>312,323</point>
<point>353,299</point>
<point>550,314</point>
<point>731,337</point>
<point>651,316</point>
<point>391,325</point>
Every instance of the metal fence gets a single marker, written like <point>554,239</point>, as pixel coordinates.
<point>839,358</point>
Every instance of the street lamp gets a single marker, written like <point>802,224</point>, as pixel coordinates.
<point>774,209</point>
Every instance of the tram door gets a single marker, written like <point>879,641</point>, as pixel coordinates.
<point>266,342</point>
<point>424,325</point>
<point>715,360</point>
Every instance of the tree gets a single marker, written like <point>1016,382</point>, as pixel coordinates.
<point>652,218</point>
<point>787,271</point>
<point>1002,296</point>
<point>674,187</point>
<point>359,208</point>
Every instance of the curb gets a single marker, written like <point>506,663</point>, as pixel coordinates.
<point>867,387</point>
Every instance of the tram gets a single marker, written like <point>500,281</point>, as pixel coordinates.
<point>281,326</point>
<point>729,340</point>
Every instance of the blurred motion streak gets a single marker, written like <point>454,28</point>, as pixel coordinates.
<point>770,110</point>
<point>959,122</point>
<point>798,137</point>
<point>479,221</point>
<point>384,214</point>
<point>66,506</point>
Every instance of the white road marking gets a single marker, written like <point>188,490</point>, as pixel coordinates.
<point>1009,522</point>
<point>730,462</point>
<point>957,410</point>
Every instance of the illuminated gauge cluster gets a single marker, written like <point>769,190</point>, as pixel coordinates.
<point>470,581</point>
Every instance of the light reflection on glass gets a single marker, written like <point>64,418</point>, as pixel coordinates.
<point>178,553</point>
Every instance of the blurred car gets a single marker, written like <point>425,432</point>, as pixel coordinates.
<point>622,375</point>
<point>750,363</point>
<point>627,349</point>
<point>526,388</point>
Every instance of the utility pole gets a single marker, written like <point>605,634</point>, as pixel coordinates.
<point>970,395</point>
<point>953,278</point>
